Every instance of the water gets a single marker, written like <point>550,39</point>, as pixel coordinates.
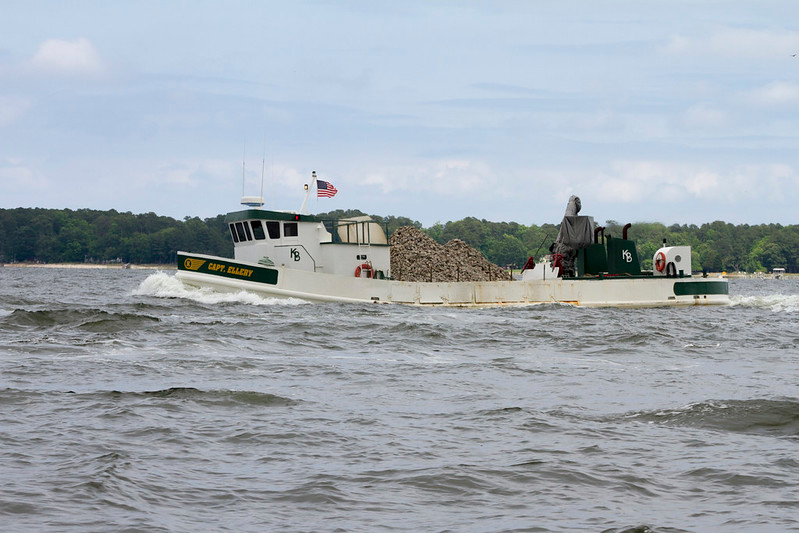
<point>131,403</point>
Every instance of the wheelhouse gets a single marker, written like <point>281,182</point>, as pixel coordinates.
<point>355,246</point>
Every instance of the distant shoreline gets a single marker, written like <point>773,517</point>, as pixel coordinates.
<point>118,266</point>
<point>130,266</point>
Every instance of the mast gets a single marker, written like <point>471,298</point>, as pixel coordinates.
<point>251,201</point>
<point>263,165</point>
<point>243,163</point>
<point>308,191</point>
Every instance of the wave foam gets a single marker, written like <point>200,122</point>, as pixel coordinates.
<point>162,285</point>
<point>780,303</point>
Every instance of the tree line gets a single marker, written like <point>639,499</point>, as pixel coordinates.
<point>92,236</point>
<point>716,246</point>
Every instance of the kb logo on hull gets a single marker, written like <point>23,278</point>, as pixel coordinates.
<point>193,264</point>
<point>295,254</point>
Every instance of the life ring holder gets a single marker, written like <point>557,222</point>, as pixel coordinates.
<point>671,270</point>
<point>370,272</point>
<point>660,262</point>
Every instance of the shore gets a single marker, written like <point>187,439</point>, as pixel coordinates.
<point>757,275</point>
<point>118,266</point>
<point>130,266</point>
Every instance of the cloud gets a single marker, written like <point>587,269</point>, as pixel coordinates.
<point>702,116</point>
<point>60,57</point>
<point>17,176</point>
<point>777,93</point>
<point>736,43</point>
<point>450,177</point>
<point>12,108</point>
<point>177,174</point>
<point>632,182</point>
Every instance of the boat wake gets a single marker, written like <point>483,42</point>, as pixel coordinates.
<point>162,285</point>
<point>781,303</point>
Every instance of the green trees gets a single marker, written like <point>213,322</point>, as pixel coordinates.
<point>716,246</point>
<point>64,235</point>
<point>506,250</point>
<point>503,243</point>
<point>779,248</point>
<point>720,246</point>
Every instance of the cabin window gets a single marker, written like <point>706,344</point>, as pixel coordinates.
<point>247,229</point>
<point>257,230</point>
<point>233,233</point>
<point>240,231</point>
<point>273,228</point>
<point>290,229</point>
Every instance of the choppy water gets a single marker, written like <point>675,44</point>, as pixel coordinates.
<point>130,403</point>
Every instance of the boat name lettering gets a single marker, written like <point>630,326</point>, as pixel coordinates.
<point>238,271</point>
<point>295,254</point>
<point>230,269</point>
<point>627,256</point>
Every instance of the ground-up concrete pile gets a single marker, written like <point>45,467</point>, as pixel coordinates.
<point>415,256</point>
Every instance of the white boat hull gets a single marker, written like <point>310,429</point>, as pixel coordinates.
<point>645,291</point>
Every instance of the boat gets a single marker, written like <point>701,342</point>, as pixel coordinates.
<point>293,254</point>
<point>778,273</point>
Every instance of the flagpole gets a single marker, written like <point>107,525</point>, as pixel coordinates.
<point>308,192</point>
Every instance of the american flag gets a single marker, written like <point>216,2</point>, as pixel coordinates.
<point>325,189</point>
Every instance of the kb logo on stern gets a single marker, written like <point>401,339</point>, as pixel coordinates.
<point>295,254</point>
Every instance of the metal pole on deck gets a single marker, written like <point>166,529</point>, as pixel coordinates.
<point>308,191</point>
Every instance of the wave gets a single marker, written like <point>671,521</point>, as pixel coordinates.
<point>219,397</point>
<point>162,285</point>
<point>642,529</point>
<point>779,303</point>
<point>765,417</point>
<point>89,319</point>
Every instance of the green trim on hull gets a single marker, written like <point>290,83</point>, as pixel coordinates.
<point>227,269</point>
<point>695,288</point>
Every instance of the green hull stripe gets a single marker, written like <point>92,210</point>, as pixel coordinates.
<point>687,288</point>
<point>227,269</point>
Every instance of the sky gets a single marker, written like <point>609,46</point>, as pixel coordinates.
<point>676,112</point>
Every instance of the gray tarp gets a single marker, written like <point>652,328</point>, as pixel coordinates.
<point>573,206</point>
<point>575,232</point>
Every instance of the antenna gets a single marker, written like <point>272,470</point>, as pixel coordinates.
<point>243,162</point>
<point>263,165</point>
<point>250,201</point>
<point>272,176</point>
